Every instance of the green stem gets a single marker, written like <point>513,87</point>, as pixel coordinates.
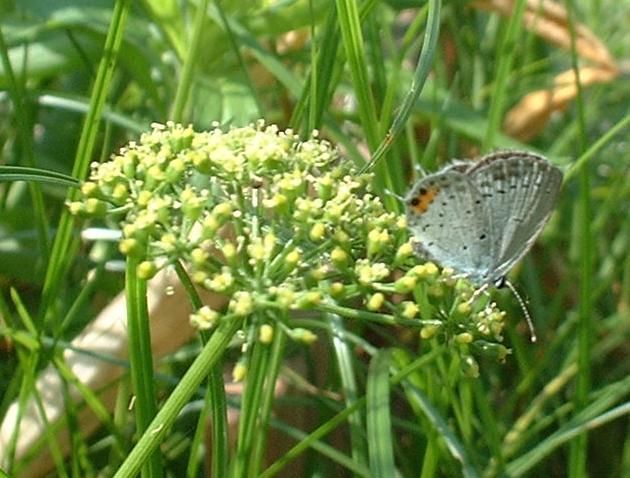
<point>210,355</point>
<point>141,358</point>
<point>250,409</point>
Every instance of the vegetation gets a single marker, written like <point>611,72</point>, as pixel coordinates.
<point>245,160</point>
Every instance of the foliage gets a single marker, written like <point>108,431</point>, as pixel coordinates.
<point>394,368</point>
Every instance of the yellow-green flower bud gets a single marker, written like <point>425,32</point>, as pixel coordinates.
<point>464,338</point>
<point>239,372</point>
<point>375,302</point>
<point>256,251</point>
<point>90,189</point>
<point>377,240</point>
<point>337,288</point>
<point>220,282</point>
<point>405,284</point>
<point>309,299</point>
<point>292,258</point>
<point>409,309</point>
<point>242,303</point>
<point>324,187</point>
<point>146,269</point>
<point>470,367</point>
<point>175,170</point>
<point>403,252</point>
<point>428,331</point>
<point>285,296</point>
<point>464,308</point>
<point>204,319</point>
<point>144,197</point>
<point>76,208</point>
<point>199,256</point>
<point>229,251</point>
<point>269,243</point>
<point>339,257</point>
<point>120,193</point>
<point>209,226</point>
<point>318,232</point>
<point>95,207</point>
<point>222,211</point>
<point>303,335</point>
<point>131,247</point>
<point>341,237</point>
<point>199,277</point>
<point>265,334</point>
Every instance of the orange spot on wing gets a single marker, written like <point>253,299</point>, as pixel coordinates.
<point>423,200</point>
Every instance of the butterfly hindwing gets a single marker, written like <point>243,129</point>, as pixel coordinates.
<point>520,190</point>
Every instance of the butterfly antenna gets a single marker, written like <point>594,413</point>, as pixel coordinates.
<point>528,317</point>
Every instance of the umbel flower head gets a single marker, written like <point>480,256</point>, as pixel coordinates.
<point>275,224</point>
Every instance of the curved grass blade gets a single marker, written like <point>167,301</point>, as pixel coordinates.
<point>24,173</point>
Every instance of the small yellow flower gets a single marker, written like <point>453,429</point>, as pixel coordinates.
<point>464,338</point>
<point>375,302</point>
<point>405,284</point>
<point>410,309</point>
<point>428,331</point>
<point>146,269</point>
<point>318,231</point>
<point>303,335</point>
<point>205,318</point>
<point>242,303</point>
<point>239,372</point>
<point>339,257</point>
<point>265,333</point>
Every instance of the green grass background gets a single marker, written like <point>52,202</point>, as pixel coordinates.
<point>86,77</point>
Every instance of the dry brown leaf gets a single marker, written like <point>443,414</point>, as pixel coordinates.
<point>530,116</point>
<point>550,21</point>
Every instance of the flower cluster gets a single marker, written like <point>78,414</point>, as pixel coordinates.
<point>273,223</point>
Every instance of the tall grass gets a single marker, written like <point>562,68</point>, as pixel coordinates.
<point>397,86</point>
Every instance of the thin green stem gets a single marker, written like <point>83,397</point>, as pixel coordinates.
<point>210,355</point>
<point>141,358</point>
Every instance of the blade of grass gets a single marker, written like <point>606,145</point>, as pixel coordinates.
<point>507,50</point>
<point>379,425</point>
<point>64,244</point>
<point>23,173</point>
<point>566,434</point>
<point>347,371</point>
<point>419,401</point>
<point>353,42</point>
<point>429,45</point>
<point>18,96</point>
<point>579,447</point>
<point>184,85</point>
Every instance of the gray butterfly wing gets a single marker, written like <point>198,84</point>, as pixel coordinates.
<point>450,223</point>
<point>520,192</point>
